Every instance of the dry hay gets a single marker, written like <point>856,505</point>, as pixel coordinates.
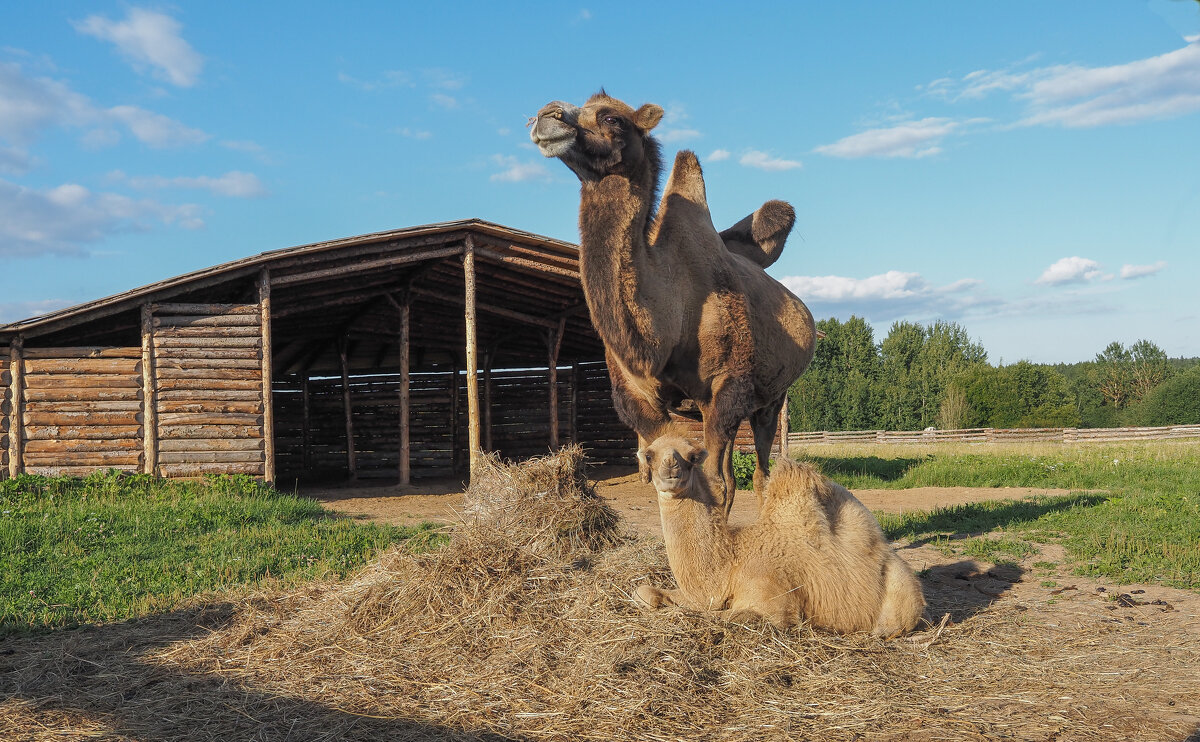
<point>522,628</point>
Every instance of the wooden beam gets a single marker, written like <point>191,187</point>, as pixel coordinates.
<point>264,307</point>
<point>149,395</point>
<point>488,356</point>
<point>358,267</point>
<point>16,425</point>
<point>555,343</point>
<point>306,425</point>
<point>528,319</point>
<point>405,466</point>
<point>351,458</point>
<point>473,421</point>
<point>574,402</point>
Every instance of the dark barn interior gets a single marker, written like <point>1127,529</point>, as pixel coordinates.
<point>391,355</point>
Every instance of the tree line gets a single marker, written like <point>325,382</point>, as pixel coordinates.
<point>935,375</point>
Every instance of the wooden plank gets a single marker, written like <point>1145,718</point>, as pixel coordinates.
<point>94,419</point>
<point>149,400</point>
<point>348,409</point>
<point>366,265</point>
<point>69,395</point>
<point>45,366</point>
<point>132,406</point>
<point>170,406</point>
<point>205,418</point>
<point>172,361</point>
<point>249,319</point>
<point>77,471</point>
<point>178,308</point>
<point>268,407</point>
<point>82,352</point>
<point>203,384</point>
<point>83,381</point>
<point>210,457</point>
<point>82,432</point>
<point>209,395</point>
<point>199,470</point>
<point>185,355</point>
<point>215,333</point>
<point>207,341</point>
<point>16,400</point>
<point>208,432</point>
<point>94,458</point>
<point>405,391</point>
<point>215,374</point>
<point>210,444</point>
<point>68,446</point>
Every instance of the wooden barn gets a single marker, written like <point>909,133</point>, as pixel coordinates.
<point>391,355</point>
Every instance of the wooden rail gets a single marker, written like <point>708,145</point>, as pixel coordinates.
<point>998,435</point>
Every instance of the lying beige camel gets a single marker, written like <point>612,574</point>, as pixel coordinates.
<point>815,553</point>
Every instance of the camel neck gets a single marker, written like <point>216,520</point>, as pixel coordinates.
<point>699,545</point>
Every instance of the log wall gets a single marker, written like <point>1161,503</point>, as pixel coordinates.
<point>5,411</point>
<point>208,389</point>
<point>81,410</point>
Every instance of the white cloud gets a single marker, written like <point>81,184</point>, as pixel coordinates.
<point>149,39</point>
<point>444,79</point>
<point>1072,270</point>
<point>234,184</point>
<point>414,133</point>
<point>889,295</point>
<point>1078,96</point>
<point>30,105</point>
<point>910,139</point>
<point>718,155</point>
<point>14,161</point>
<point>13,311</point>
<point>763,161</point>
<point>155,129</point>
<point>516,171</point>
<point>62,219</point>
<point>669,136</point>
<point>1141,271</point>
<point>449,102</point>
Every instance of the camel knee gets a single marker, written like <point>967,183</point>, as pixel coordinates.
<point>903,601</point>
<point>646,596</point>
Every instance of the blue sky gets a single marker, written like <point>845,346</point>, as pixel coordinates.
<point>1030,170</point>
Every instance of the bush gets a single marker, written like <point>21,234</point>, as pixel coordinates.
<point>1174,402</point>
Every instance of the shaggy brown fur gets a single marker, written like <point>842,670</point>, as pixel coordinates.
<point>815,552</point>
<point>685,312</point>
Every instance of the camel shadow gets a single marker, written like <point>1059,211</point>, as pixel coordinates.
<point>965,588</point>
<point>887,470</point>
<point>96,677</point>
<point>982,517</point>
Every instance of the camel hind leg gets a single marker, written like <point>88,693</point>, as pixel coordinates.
<point>764,423</point>
<point>903,600</point>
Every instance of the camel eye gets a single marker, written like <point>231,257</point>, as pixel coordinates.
<point>612,120</point>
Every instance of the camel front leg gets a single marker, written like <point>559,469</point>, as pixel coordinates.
<point>764,423</point>
<point>647,416</point>
<point>654,598</point>
<point>719,465</point>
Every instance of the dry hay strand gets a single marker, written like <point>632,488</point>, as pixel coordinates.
<point>522,627</point>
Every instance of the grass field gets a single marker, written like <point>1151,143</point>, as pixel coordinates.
<point>1133,514</point>
<point>112,546</point>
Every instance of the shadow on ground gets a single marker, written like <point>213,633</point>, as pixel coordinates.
<point>965,588</point>
<point>95,681</point>
<point>981,517</point>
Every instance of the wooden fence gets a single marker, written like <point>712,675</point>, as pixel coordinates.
<point>999,435</point>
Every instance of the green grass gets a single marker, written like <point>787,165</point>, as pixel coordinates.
<point>1133,514</point>
<point>110,546</point>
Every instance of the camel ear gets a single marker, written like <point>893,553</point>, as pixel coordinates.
<point>648,116</point>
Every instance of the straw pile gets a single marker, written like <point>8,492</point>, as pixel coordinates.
<point>522,628</point>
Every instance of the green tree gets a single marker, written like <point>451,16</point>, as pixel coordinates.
<point>1174,402</point>
<point>835,393</point>
<point>1114,375</point>
<point>917,366</point>
<point>1021,395</point>
<point>1149,367</point>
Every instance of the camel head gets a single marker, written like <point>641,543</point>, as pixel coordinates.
<point>604,137</point>
<point>674,463</point>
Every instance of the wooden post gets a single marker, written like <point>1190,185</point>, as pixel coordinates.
<point>306,425</point>
<point>473,424</point>
<point>784,450</point>
<point>351,458</point>
<point>488,355</point>
<point>405,464</point>
<point>149,395</point>
<point>455,407</point>
<point>555,343</point>
<point>574,402</point>
<point>264,304</point>
<point>16,425</point>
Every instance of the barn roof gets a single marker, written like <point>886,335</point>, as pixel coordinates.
<point>526,285</point>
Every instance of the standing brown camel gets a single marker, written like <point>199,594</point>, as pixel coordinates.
<point>685,312</point>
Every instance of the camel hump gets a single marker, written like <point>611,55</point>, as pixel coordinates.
<point>687,179</point>
<point>798,489</point>
<point>760,237</point>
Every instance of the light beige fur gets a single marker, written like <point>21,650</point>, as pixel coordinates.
<point>688,317</point>
<point>815,553</point>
